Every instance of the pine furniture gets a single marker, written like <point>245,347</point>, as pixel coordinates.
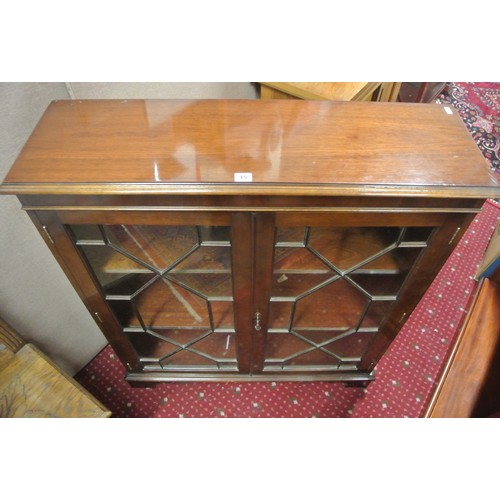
<point>32,386</point>
<point>332,91</point>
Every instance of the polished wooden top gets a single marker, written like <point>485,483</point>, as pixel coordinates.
<point>290,147</point>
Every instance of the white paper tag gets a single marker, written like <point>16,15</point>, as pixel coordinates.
<point>243,177</point>
<point>448,110</point>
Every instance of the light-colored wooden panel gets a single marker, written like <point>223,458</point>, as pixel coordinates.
<point>31,386</point>
<point>332,91</point>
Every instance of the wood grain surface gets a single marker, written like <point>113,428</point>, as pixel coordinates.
<point>172,146</point>
<point>459,391</point>
<point>334,91</point>
<point>31,386</point>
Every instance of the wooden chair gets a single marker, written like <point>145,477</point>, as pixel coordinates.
<point>31,385</point>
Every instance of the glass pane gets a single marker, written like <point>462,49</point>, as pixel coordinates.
<point>346,247</point>
<point>170,288</point>
<point>376,285</point>
<point>109,265</point>
<point>351,347</point>
<point>377,311</point>
<point>179,337</point>
<point>417,234</point>
<point>385,276</point>
<point>287,285</point>
<point>220,346</point>
<point>314,358</point>
<point>206,258</point>
<point>320,337</point>
<point>281,346</point>
<point>125,313</point>
<point>87,234</point>
<point>296,271</point>
<point>165,304</point>
<point>128,285</point>
<point>209,285</point>
<point>184,347</point>
<point>222,313</point>
<point>215,235</point>
<point>156,246</point>
<point>280,314</point>
<point>338,305</point>
<point>149,347</point>
<point>332,288</point>
<point>297,259</point>
<point>187,359</point>
<point>291,235</point>
<point>206,271</point>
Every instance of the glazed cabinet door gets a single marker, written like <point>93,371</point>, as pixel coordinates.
<point>339,292</point>
<point>232,295</point>
<point>166,287</point>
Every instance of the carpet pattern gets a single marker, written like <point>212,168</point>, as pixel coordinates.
<point>479,107</point>
<point>405,376</point>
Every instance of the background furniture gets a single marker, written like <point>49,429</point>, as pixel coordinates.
<point>333,91</point>
<point>296,268</point>
<point>420,92</point>
<point>31,385</point>
<point>470,383</point>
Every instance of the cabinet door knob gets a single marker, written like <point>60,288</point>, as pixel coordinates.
<point>257,321</point>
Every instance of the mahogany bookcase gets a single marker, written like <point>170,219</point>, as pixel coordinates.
<point>250,240</point>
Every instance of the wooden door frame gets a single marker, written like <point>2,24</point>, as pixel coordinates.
<point>52,227</point>
<point>449,229</point>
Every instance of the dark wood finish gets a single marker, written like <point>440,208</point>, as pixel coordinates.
<point>319,164</point>
<point>470,383</point>
<point>256,202</point>
<point>263,264</point>
<point>82,279</point>
<point>242,253</point>
<point>424,271</point>
<point>291,147</point>
<point>421,92</point>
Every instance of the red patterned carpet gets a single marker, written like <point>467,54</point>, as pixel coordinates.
<point>479,108</point>
<point>407,373</point>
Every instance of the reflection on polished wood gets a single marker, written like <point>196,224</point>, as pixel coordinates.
<point>197,146</point>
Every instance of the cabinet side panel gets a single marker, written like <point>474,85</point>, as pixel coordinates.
<point>79,275</point>
<point>425,270</point>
